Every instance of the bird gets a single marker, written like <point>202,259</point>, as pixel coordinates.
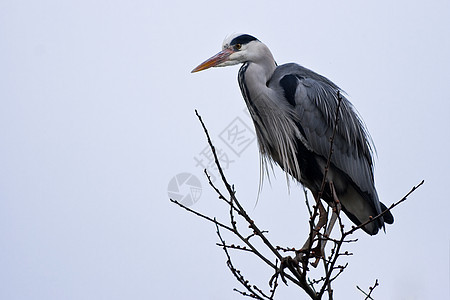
<point>293,111</point>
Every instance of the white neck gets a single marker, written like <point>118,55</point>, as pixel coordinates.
<point>259,70</point>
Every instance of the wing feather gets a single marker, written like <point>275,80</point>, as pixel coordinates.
<point>316,101</point>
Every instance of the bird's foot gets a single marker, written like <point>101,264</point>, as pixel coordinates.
<point>306,253</point>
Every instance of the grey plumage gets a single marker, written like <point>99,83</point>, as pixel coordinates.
<point>293,110</point>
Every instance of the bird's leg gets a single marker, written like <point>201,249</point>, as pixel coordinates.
<point>336,210</point>
<point>336,206</point>
<point>323,217</point>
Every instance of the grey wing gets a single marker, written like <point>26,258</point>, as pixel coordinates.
<point>316,101</point>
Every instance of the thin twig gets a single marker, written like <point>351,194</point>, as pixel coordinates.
<point>384,211</point>
<point>213,220</point>
<point>240,278</point>
<point>235,247</point>
<point>232,194</point>
<point>371,288</point>
<point>260,233</point>
<point>298,268</point>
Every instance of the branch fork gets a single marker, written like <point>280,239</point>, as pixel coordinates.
<point>295,269</point>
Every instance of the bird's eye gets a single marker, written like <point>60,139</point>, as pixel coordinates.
<point>238,46</point>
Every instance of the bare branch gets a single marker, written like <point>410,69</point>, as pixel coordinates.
<point>240,278</point>
<point>213,220</point>
<point>235,247</point>
<point>290,270</point>
<point>386,210</point>
<point>256,231</point>
<point>370,290</point>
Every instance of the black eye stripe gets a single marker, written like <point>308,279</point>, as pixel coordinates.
<point>243,39</point>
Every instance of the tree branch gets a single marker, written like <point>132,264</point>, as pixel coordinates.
<point>291,270</point>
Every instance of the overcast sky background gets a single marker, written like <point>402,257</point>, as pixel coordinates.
<point>97,117</point>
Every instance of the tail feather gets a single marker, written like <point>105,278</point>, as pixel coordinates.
<point>388,217</point>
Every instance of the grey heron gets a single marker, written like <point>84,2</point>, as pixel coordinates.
<point>293,111</point>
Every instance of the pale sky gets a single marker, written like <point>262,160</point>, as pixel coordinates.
<point>97,118</point>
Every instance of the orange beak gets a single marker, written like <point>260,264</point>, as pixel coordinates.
<point>217,59</point>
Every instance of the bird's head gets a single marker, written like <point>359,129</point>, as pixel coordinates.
<point>236,49</point>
